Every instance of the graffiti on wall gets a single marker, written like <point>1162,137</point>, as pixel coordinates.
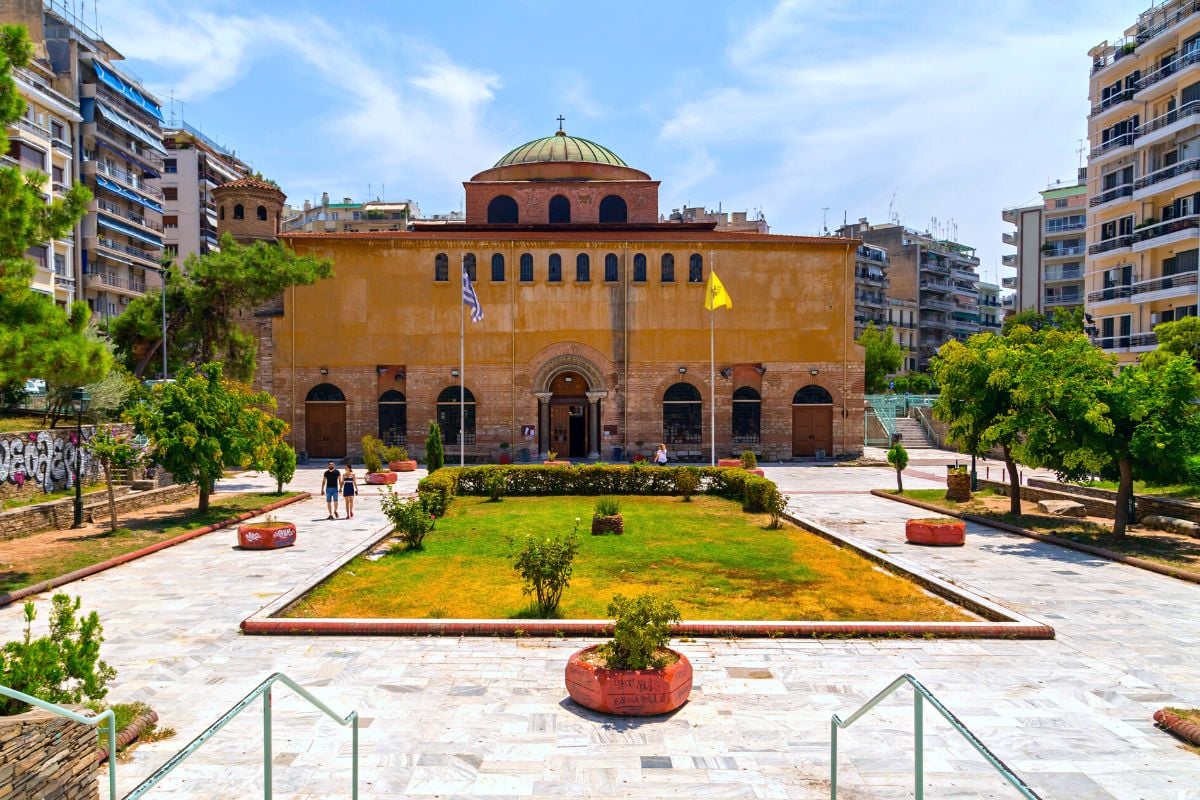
<point>45,459</point>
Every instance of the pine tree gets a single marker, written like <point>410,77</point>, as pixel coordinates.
<point>435,456</point>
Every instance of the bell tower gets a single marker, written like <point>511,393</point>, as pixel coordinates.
<point>250,209</point>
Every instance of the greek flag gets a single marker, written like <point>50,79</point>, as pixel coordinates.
<point>469,297</point>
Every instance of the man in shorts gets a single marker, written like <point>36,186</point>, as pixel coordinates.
<point>331,482</point>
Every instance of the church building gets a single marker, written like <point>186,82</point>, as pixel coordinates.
<point>594,340</point>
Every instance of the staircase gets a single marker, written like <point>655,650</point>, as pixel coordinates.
<point>913,436</point>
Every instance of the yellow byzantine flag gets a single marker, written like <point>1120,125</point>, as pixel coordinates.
<point>715,295</point>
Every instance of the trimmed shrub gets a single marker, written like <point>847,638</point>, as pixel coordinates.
<point>412,519</point>
<point>758,494</point>
<point>545,564</point>
<point>283,465</point>
<point>687,481</point>
<point>391,454</point>
<point>749,461</point>
<point>776,506</point>
<point>372,453</point>
<point>641,627</point>
<point>437,490</point>
<point>495,482</point>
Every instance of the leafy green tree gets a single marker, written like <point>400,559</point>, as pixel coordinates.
<point>1063,319</point>
<point>283,464</point>
<point>111,394</point>
<point>435,455</point>
<point>882,355</point>
<point>37,338</point>
<point>915,383</point>
<point>1178,337</point>
<point>113,452</point>
<point>205,301</point>
<point>204,422</point>
<point>897,456</point>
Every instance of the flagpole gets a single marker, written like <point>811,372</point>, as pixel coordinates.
<point>462,367</point>
<point>712,362</point>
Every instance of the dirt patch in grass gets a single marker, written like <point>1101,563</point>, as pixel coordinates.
<point>710,558</point>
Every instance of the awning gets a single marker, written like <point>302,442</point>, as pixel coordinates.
<point>104,183</point>
<point>132,128</point>
<point>128,230</point>
<point>128,91</point>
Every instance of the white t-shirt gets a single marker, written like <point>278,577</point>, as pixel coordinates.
<point>660,456</point>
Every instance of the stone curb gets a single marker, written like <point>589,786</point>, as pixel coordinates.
<point>129,733</point>
<point>116,561</point>
<point>1188,731</point>
<point>1112,555</point>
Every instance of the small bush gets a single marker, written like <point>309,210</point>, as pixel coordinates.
<point>494,483</point>
<point>749,461</point>
<point>758,494</point>
<point>372,453</point>
<point>545,564</point>
<point>687,481</point>
<point>776,505</point>
<point>282,465</point>
<point>897,456</point>
<point>607,507</point>
<point>391,454</point>
<point>435,456</point>
<point>412,519</point>
<point>641,627</point>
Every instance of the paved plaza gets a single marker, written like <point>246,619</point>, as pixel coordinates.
<point>488,717</point>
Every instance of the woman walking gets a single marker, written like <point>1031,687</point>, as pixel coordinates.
<point>660,456</point>
<point>349,489</point>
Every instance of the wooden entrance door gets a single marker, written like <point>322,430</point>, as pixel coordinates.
<point>812,430</point>
<point>325,429</point>
<point>560,430</point>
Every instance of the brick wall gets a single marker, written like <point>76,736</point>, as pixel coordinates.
<point>59,514</point>
<point>533,199</point>
<point>43,755</point>
<point>1146,504</point>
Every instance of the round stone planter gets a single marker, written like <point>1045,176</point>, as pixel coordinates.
<point>381,478</point>
<point>558,463</point>
<point>936,532</point>
<point>614,524</point>
<point>402,466</point>
<point>266,535</point>
<point>628,692</point>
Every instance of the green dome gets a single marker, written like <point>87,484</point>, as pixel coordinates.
<point>560,147</point>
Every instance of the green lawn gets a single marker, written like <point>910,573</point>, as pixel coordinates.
<point>713,560</point>
<point>32,559</point>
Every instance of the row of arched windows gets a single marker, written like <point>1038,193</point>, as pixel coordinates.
<point>239,212</point>
<point>503,210</point>
<point>583,268</point>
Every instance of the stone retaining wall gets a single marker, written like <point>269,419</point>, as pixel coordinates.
<point>59,514</point>
<point>1095,506</point>
<point>44,755</point>
<point>1146,504</point>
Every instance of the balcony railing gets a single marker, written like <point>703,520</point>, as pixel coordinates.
<point>933,266</point>
<point>62,144</point>
<point>1074,298</point>
<point>1169,118</point>
<point>1114,243</point>
<point>1111,293</point>
<point>1052,226</point>
<point>1113,54</point>
<point>1059,252</point>
<point>116,210</point>
<point>1112,194</point>
<point>32,127</point>
<point>1113,143</point>
<point>1112,100</point>
<point>1167,70</point>
<point>1173,171</point>
<point>1165,282</point>
<point>1064,274</point>
<point>128,178</point>
<point>125,142</point>
<point>873,253</point>
<point>938,305</point>
<point>1164,228</point>
<point>1127,341</point>
<point>1152,23</point>
<point>120,283</point>
<point>128,249</point>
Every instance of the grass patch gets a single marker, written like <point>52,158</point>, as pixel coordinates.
<point>15,424</point>
<point>126,713</point>
<point>710,558</point>
<point>68,554</point>
<point>1178,491</point>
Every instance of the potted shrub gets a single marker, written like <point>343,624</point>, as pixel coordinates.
<point>936,531</point>
<point>606,517</point>
<point>958,484</point>
<point>505,457</point>
<point>552,460</point>
<point>373,459</point>
<point>398,460</point>
<point>270,534</point>
<point>634,674</point>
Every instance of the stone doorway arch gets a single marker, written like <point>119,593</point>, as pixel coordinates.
<point>569,388</point>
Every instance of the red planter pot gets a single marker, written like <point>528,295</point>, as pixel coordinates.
<point>938,534</point>
<point>266,536</point>
<point>402,466</point>
<point>628,692</point>
<point>381,478</point>
<point>505,458</point>
<point>729,462</point>
<point>556,463</point>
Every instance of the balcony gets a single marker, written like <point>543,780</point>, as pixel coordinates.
<point>1169,69</point>
<point>1113,145</point>
<point>1111,294</point>
<point>1133,342</point>
<point>1063,299</point>
<point>1108,245</point>
<point>934,285</point>
<point>1160,19</point>
<point>32,127</point>
<point>1063,252</point>
<point>123,249</point>
<point>1112,101</point>
<point>1169,123</point>
<point>1112,194</point>
<point>1165,287</point>
<point>962,274</point>
<point>1173,230</point>
<point>1053,227</point>
<point>63,145</point>
<point>109,207</point>
<point>872,280</point>
<point>1009,238</point>
<point>935,267</point>
<point>105,280</point>
<point>128,178</point>
<point>121,140</point>
<point>1168,178</point>
<point>936,305</point>
<point>1113,54</point>
<point>1072,274</point>
<point>878,301</point>
<point>1009,259</point>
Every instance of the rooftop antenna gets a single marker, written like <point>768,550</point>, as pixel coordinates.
<point>824,214</point>
<point>892,202</point>
<point>1081,150</point>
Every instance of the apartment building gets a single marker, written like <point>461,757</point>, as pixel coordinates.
<point>726,220</point>
<point>902,315</point>
<point>937,274</point>
<point>40,141</point>
<point>1051,242</point>
<point>989,308</point>
<point>1144,178</point>
<point>349,215</point>
<point>870,288</point>
<point>194,166</point>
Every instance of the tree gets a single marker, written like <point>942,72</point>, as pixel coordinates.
<point>435,456</point>
<point>110,394</point>
<point>980,399</point>
<point>915,383</point>
<point>283,464</point>
<point>1063,319</point>
<point>1178,337</point>
<point>204,302</point>
<point>113,452</point>
<point>882,355</point>
<point>37,338</point>
<point>897,456</point>
<point>204,422</point>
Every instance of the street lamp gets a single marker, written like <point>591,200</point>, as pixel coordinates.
<point>80,400</point>
<point>162,273</point>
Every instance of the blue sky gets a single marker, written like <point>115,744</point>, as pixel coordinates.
<point>954,109</point>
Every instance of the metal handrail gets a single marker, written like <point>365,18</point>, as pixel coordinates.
<point>920,693</point>
<point>263,689</point>
<point>106,715</point>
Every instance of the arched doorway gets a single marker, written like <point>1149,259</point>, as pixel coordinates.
<point>325,422</point>
<point>812,421</point>
<point>569,416</point>
<point>393,418</point>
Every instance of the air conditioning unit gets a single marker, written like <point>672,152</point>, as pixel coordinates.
<point>1153,317</point>
<point>124,300</point>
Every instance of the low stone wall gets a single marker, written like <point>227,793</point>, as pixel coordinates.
<point>1095,506</point>
<point>44,755</point>
<point>1146,504</point>
<point>59,514</point>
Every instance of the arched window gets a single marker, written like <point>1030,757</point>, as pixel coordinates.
<point>325,393</point>
<point>611,274</point>
<point>812,395</point>
<point>469,265</point>
<point>613,209</point>
<point>555,268</point>
<point>497,266</point>
<point>448,408</point>
<point>639,268</point>
<point>393,418</point>
<point>502,210</point>
<point>441,267</point>
<point>668,268</point>
<point>682,415</point>
<point>526,268</point>
<point>747,416</point>
<point>696,268</point>
<point>239,212</point>
<point>560,209</point>
<point>262,213</point>
<point>583,268</point>
<point>221,212</point>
